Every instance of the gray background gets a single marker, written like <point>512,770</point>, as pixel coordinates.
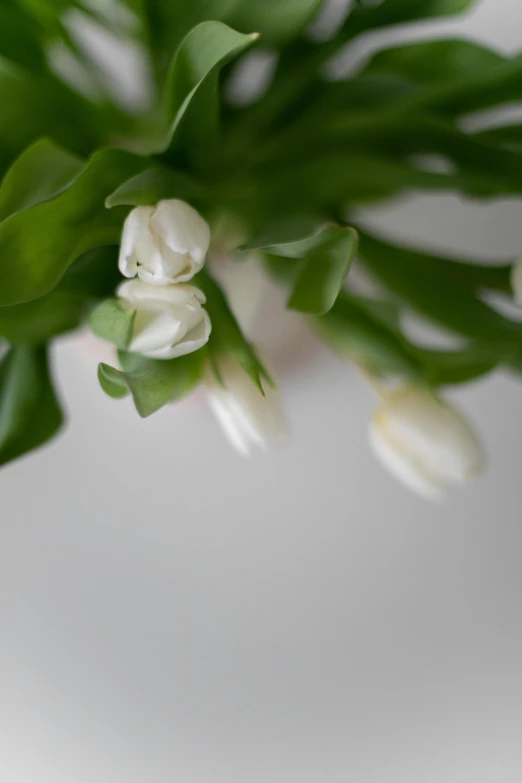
<point>172,613</point>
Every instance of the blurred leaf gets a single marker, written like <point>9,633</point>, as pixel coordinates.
<point>428,287</point>
<point>112,381</point>
<point>39,173</point>
<point>368,331</point>
<point>366,16</point>
<point>113,322</point>
<point>36,105</point>
<point>29,411</point>
<point>276,21</point>
<point>38,244</point>
<point>290,238</point>
<point>324,271</point>
<point>94,275</point>
<point>354,331</point>
<point>226,337</point>
<point>155,184</point>
<point>496,86</point>
<point>335,180</point>
<point>192,87</point>
<point>386,141</point>
<point>449,368</point>
<point>23,115</point>
<point>153,383</point>
<point>20,37</point>
<point>36,322</point>
<point>434,62</point>
<point>509,136</point>
<point>384,311</point>
<point>327,254</point>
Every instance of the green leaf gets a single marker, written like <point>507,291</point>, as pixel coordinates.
<point>112,381</point>
<point>353,330</point>
<point>292,237</point>
<point>191,89</point>
<point>343,178</point>
<point>19,37</point>
<point>155,184</point>
<point>29,411</point>
<point>384,311</point>
<point>386,143</point>
<point>154,383</point>
<point>226,337</point>
<point>36,322</point>
<point>368,331</point>
<point>494,87</point>
<point>277,21</point>
<point>324,271</point>
<point>390,12</point>
<point>434,62</point>
<point>428,287</point>
<point>94,275</point>
<point>449,368</point>
<point>39,173</point>
<point>509,136</point>
<point>113,322</point>
<point>23,116</point>
<point>39,243</point>
<point>36,105</point>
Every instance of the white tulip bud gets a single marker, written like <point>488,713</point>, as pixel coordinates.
<point>516,281</point>
<point>247,418</point>
<point>170,321</point>
<point>424,442</point>
<point>164,244</point>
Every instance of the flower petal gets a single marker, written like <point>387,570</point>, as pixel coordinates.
<point>233,428</point>
<point>135,230</point>
<point>182,229</point>
<point>402,468</point>
<point>136,291</point>
<point>155,331</point>
<point>193,341</point>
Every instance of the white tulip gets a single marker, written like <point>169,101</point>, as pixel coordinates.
<point>164,244</point>
<point>247,418</point>
<point>424,442</point>
<point>516,281</point>
<point>170,321</point>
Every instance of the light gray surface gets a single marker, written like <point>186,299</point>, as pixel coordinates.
<point>172,613</point>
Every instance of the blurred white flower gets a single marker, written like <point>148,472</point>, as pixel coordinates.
<point>516,281</point>
<point>170,320</point>
<point>424,442</point>
<point>164,244</point>
<point>247,418</point>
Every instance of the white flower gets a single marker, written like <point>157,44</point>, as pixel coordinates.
<point>170,321</point>
<point>164,244</point>
<point>247,418</point>
<point>424,442</point>
<point>516,281</point>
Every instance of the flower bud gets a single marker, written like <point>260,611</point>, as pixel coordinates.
<point>247,418</point>
<point>424,442</point>
<point>164,244</point>
<point>170,321</point>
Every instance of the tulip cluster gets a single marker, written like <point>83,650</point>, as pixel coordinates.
<point>280,175</point>
<point>162,248</point>
<point>165,246</point>
<point>420,439</point>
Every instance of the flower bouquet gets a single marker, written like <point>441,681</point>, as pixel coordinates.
<point>117,209</point>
